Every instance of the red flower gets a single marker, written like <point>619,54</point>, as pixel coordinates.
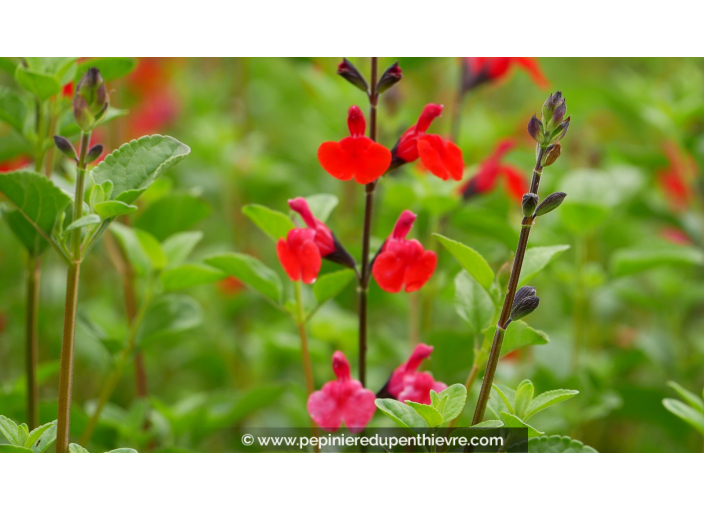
<point>478,70</point>
<point>342,401</point>
<point>230,286</point>
<point>401,262</point>
<point>356,155</point>
<point>489,172</point>
<point>67,90</point>
<point>676,236</point>
<point>14,164</point>
<point>676,180</point>
<point>442,157</point>
<point>407,383</point>
<point>301,252</point>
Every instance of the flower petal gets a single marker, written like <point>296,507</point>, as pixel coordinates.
<point>335,161</point>
<point>389,271</point>
<point>288,260</point>
<point>420,271</point>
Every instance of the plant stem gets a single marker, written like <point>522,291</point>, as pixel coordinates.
<point>508,301</point>
<point>368,210</point>
<point>457,107</point>
<point>74,270</point>
<point>31,323</point>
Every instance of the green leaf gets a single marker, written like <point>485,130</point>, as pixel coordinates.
<point>179,246</point>
<point>473,303</point>
<point>431,416</point>
<point>42,85</point>
<point>169,315</point>
<point>42,437</point>
<point>322,204</point>
<point>11,431</point>
<point>694,400</point>
<point>230,408</point>
<point>76,448</point>
<point>523,398</point>
<point>34,243</point>
<point>513,421</point>
<point>437,402</point>
<point>189,275</point>
<point>111,68</point>
<point>9,448</point>
<point>171,214</point>
<point>504,397</point>
<point>275,224</point>
<point>84,221</point>
<point>456,397</point>
<point>331,284</point>
<point>142,249</point>
<point>123,450</point>
<point>113,208</point>
<point>488,424</point>
<point>37,199</point>
<point>547,399</point>
<point>12,109</point>
<point>519,334</point>
<point>251,272</point>
<point>557,444</point>
<point>635,260</point>
<point>537,258</point>
<point>470,260</point>
<point>401,414</point>
<point>685,413</point>
<point>136,165</point>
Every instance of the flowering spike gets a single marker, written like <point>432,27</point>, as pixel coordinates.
<point>390,78</point>
<point>350,73</point>
<point>91,100</point>
<point>342,401</point>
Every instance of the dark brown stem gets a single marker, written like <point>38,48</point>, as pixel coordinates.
<point>368,210</point>
<point>508,301</point>
<point>69,333</point>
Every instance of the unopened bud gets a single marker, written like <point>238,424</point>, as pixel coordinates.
<point>523,293</point>
<point>554,110</point>
<point>551,203</point>
<point>535,129</point>
<point>560,132</point>
<point>552,153</point>
<point>390,78</point>
<point>65,146</point>
<point>529,203</point>
<point>524,307</point>
<point>91,101</point>
<point>350,73</point>
<point>94,153</point>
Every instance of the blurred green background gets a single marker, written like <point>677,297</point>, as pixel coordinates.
<point>622,307</point>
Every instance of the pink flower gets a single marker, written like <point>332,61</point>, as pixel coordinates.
<point>342,401</point>
<point>407,383</point>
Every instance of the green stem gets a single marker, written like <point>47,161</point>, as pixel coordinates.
<point>301,325</point>
<point>31,325</point>
<point>69,332</point>
<point>495,352</point>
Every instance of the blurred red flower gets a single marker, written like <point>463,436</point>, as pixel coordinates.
<point>402,262</point>
<point>406,383</point>
<point>342,401</point>
<point>676,236</point>
<point>491,169</point>
<point>676,181</point>
<point>356,155</point>
<point>157,104</point>
<point>479,70</point>
<point>302,251</point>
<point>230,286</point>
<point>14,164</point>
<point>442,157</point>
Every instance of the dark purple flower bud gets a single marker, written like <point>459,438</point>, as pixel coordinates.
<point>350,73</point>
<point>529,203</point>
<point>535,129</point>
<point>560,131</point>
<point>91,101</point>
<point>554,110</point>
<point>390,78</point>
<point>523,293</point>
<point>94,153</point>
<point>551,203</point>
<point>524,307</point>
<point>66,147</point>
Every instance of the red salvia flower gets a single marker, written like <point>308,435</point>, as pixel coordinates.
<point>490,170</point>
<point>442,157</point>
<point>14,164</point>
<point>676,181</point>
<point>302,251</point>
<point>342,401</point>
<point>406,383</point>
<point>479,70</point>
<point>403,263</point>
<point>67,91</point>
<point>676,236</point>
<point>356,155</point>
